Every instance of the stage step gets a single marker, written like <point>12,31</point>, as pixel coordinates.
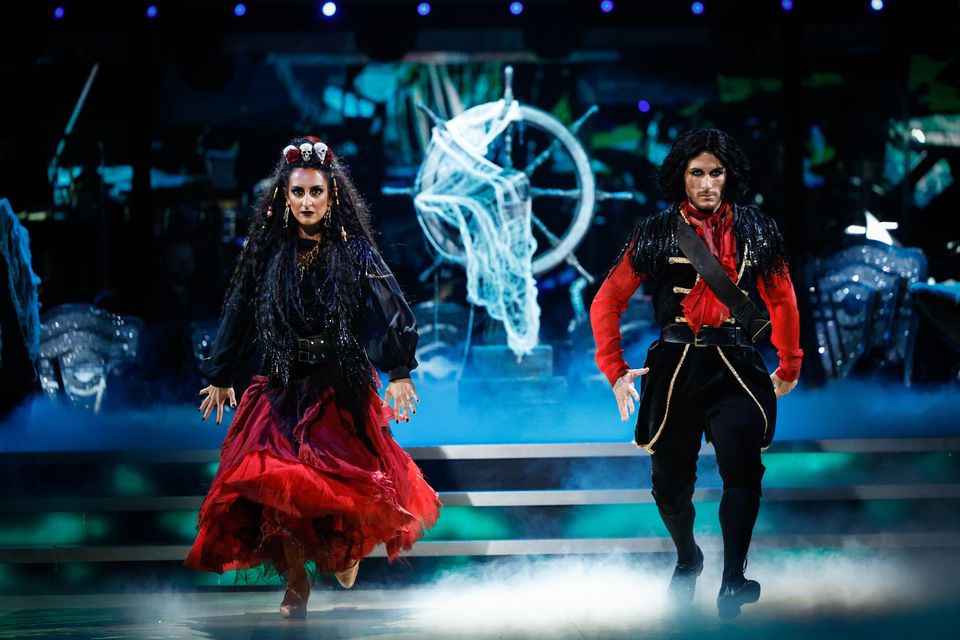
<point>542,498</point>
<point>136,510</point>
<point>531,547</point>
<point>523,387</point>
<point>495,361</point>
<point>485,468</point>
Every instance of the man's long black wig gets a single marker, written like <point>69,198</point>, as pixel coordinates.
<point>653,240</point>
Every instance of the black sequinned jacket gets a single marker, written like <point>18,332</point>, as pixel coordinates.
<point>384,331</point>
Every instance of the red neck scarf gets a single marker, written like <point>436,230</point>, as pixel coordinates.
<point>701,306</point>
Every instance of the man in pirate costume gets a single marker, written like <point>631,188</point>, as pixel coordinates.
<point>703,256</point>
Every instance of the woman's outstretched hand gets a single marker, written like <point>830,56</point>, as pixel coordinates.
<point>403,394</point>
<point>217,397</point>
<point>626,393</point>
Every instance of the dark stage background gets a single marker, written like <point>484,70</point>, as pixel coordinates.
<point>189,109</point>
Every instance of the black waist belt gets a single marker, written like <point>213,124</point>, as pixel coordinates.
<point>708,336</point>
<point>314,350</point>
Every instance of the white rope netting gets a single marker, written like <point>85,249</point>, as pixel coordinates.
<point>485,210</point>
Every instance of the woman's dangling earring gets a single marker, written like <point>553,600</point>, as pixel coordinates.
<point>272,200</point>
<point>286,216</point>
<point>327,218</point>
<point>336,199</point>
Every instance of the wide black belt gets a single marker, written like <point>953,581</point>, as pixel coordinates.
<point>314,350</point>
<point>708,336</point>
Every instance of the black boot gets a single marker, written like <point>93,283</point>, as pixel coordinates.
<point>683,584</point>
<point>738,514</point>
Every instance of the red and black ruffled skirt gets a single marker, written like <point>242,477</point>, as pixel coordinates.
<point>313,463</point>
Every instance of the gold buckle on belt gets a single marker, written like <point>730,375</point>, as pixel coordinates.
<point>697,342</point>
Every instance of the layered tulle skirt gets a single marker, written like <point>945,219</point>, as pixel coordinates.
<point>313,464</point>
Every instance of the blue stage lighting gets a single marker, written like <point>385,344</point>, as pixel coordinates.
<point>643,106</point>
<point>606,6</point>
<point>329,9</point>
<point>786,5</point>
<point>697,8</point>
<point>423,8</point>
<point>58,13</point>
<point>876,5</point>
<point>240,10</point>
<point>152,11</point>
<point>516,8</point>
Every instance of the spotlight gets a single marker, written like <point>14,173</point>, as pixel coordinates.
<point>152,11</point>
<point>876,5</point>
<point>516,8</point>
<point>58,13</point>
<point>643,106</point>
<point>240,10</point>
<point>606,6</point>
<point>697,8</point>
<point>423,8</point>
<point>329,9</point>
<point>786,5</point>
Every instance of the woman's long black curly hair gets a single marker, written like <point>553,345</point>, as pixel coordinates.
<point>267,272</point>
<point>691,144</point>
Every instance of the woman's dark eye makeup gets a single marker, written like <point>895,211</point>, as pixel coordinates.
<point>314,191</point>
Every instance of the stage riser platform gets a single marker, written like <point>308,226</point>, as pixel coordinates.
<point>94,517</point>
<point>25,477</point>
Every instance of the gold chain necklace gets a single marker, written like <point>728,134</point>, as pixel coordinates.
<point>305,259</point>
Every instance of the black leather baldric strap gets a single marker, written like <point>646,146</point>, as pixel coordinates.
<point>719,282</point>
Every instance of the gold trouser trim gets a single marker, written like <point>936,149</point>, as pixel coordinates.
<point>766,423</point>
<point>681,290</point>
<point>678,260</point>
<point>683,320</point>
<point>666,412</point>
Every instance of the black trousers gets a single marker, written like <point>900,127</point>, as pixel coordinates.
<point>707,398</point>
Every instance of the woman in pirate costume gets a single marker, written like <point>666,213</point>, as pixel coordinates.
<point>703,375</point>
<point>309,470</point>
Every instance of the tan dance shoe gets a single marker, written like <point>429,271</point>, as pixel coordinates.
<point>347,577</point>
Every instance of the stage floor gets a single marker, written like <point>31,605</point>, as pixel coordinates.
<point>823,595</point>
